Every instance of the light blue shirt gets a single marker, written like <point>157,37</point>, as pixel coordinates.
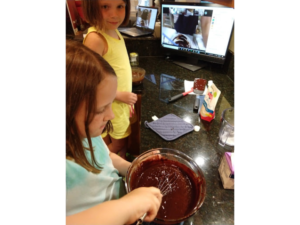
<point>86,189</point>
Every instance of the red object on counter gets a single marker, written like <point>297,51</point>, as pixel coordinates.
<point>208,118</point>
<point>79,9</point>
<point>187,92</point>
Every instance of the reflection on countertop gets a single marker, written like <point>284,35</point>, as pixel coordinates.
<point>202,146</point>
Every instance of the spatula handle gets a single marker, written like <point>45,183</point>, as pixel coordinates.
<point>175,97</point>
<point>179,95</point>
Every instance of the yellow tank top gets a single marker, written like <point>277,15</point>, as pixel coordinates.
<point>117,57</point>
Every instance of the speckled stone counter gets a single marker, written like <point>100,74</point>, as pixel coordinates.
<point>202,146</point>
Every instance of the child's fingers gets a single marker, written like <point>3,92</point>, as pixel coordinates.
<point>153,155</point>
<point>152,212</point>
<point>132,110</point>
<point>150,197</point>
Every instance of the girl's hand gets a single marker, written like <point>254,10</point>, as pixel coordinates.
<point>151,156</point>
<point>142,200</point>
<point>126,97</point>
<point>125,210</point>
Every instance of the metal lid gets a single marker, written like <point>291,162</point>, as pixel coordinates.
<point>133,54</point>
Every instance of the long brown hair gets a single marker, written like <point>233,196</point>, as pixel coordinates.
<point>85,69</point>
<point>92,13</point>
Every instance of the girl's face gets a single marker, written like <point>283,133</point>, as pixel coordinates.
<point>113,13</point>
<point>106,93</point>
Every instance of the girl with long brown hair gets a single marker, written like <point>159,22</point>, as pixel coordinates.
<point>95,188</point>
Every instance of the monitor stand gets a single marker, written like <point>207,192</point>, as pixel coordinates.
<point>189,63</point>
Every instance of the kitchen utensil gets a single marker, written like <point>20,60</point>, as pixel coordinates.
<point>165,186</point>
<point>188,189</point>
<point>138,75</point>
<point>180,95</point>
<point>199,87</point>
<point>185,93</point>
<point>226,132</point>
<point>140,220</point>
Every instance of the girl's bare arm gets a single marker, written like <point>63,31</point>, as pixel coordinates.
<point>125,210</point>
<point>96,42</point>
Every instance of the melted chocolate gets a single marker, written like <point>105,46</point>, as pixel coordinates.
<point>182,41</point>
<point>184,194</point>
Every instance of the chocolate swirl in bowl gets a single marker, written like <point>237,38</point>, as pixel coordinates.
<point>182,41</point>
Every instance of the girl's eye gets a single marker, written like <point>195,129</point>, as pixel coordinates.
<point>100,111</point>
<point>121,6</point>
<point>104,7</point>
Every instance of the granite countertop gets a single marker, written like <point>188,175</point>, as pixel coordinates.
<point>202,146</point>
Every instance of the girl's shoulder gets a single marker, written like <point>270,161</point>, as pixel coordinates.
<point>75,172</point>
<point>94,35</point>
<point>96,41</point>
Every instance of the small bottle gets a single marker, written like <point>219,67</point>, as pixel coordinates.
<point>134,59</point>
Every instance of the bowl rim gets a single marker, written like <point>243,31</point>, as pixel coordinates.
<point>138,68</point>
<point>139,78</point>
<point>190,160</point>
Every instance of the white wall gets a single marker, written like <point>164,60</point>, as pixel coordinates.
<point>134,3</point>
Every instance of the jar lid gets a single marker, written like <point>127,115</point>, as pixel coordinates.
<point>133,54</point>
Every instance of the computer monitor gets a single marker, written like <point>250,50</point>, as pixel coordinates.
<point>195,33</point>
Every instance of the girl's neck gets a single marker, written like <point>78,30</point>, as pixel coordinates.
<point>111,33</point>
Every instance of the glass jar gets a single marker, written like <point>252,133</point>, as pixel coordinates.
<point>134,59</point>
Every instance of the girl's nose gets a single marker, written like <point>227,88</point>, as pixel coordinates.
<point>113,12</point>
<point>109,114</point>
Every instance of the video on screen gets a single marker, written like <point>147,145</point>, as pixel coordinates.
<point>143,17</point>
<point>186,28</point>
